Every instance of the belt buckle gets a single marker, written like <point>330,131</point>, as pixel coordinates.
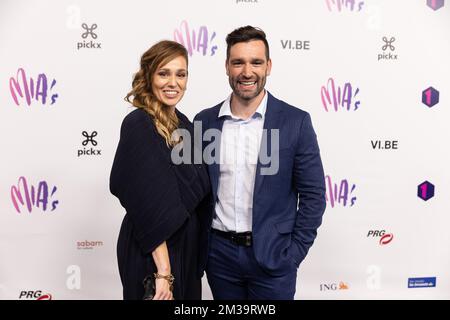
<point>248,240</point>
<point>234,239</point>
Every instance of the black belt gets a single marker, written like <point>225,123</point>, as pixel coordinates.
<point>238,238</point>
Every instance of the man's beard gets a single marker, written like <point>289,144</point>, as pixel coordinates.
<point>247,95</point>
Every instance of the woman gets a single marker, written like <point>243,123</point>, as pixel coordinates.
<point>160,231</point>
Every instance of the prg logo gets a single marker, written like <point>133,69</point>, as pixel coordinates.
<point>200,41</point>
<point>34,295</point>
<point>385,238</point>
<point>435,4</point>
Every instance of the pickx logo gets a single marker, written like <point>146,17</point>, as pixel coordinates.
<point>89,139</point>
<point>89,33</point>
<point>388,49</point>
<point>385,238</point>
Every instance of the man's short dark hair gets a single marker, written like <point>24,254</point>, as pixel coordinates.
<point>246,34</point>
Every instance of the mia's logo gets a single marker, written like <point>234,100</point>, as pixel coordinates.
<point>339,97</point>
<point>344,5</point>
<point>41,90</point>
<point>89,32</point>
<point>340,192</point>
<point>40,197</point>
<point>200,41</point>
<point>387,48</point>
<point>89,139</point>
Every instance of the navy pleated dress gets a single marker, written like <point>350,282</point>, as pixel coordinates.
<point>161,200</point>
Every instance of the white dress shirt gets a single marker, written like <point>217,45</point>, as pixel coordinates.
<point>239,150</point>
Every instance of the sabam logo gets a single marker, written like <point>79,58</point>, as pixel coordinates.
<point>334,286</point>
<point>22,194</point>
<point>435,4</point>
<point>200,41</point>
<point>425,190</point>
<point>295,44</point>
<point>430,97</point>
<point>84,245</point>
<point>89,139</point>
<point>21,87</point>
<point>341,194</point>
<point>387,45</point>
<point>385,238</point>
<point>34,295</point>
<point>422,282</point>
<point>344,98</point>
<point>348,5</point>
<point>89,31</point>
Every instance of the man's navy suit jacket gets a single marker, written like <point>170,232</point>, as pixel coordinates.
<point>287,206</point>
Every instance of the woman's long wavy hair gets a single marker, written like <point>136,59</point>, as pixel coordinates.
<point>141,94</point>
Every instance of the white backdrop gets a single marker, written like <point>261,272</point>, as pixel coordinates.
<point>67,248</point>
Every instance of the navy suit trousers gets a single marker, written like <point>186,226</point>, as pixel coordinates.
<point>234,274</point>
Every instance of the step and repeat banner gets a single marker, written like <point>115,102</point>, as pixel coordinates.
<point>374,75</point>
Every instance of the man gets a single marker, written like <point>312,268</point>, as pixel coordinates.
<point>264,216</point>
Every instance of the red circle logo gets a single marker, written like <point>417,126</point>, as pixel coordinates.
<point>386,239</point>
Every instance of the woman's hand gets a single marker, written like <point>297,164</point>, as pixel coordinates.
<point>163,291</point>
<point>162,286</point>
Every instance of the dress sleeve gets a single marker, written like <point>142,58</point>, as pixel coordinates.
<point>143,179</point>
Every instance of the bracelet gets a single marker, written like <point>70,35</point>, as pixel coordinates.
<point>170,278</point>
